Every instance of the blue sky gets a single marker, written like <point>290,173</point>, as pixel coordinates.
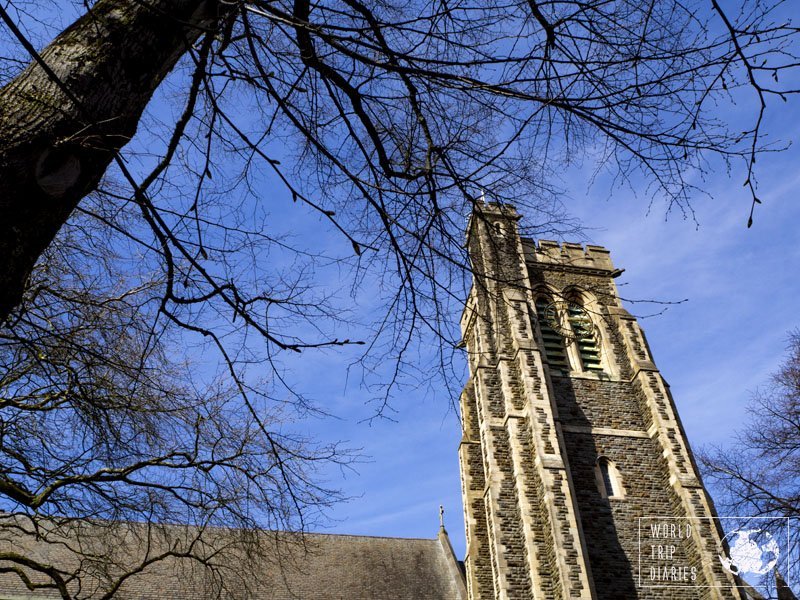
<point>714,349</point>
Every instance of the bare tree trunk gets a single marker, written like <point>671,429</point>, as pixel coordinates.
<point>57,138</point>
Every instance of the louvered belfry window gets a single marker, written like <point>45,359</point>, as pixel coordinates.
<point>554,349</point>
<point>585,336</point>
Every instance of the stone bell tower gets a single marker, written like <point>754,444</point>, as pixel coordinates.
<point>577,478</point>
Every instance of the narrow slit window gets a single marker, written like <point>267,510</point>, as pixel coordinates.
<point>554,351</point>
<point>585,337</point>
<point>608,478</point>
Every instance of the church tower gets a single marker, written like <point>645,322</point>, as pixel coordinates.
<point>577,479</point>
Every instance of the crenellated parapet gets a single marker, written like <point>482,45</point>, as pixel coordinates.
<point>546,252</point>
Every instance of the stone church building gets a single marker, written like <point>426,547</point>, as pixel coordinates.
<point>577,478</point>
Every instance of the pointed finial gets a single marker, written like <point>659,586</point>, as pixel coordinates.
<point>441,516</point>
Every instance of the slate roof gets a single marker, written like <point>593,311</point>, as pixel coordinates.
<point>322,567</point>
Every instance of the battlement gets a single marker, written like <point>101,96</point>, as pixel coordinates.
<point>567,254</point>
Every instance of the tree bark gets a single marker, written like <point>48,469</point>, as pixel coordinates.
<point>56,141</point>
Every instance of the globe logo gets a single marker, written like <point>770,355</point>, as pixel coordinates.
<point>751,551</point>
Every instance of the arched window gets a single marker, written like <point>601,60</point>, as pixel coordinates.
<point>585,336</point>
<point>554,350</point>
<point>608,479</point>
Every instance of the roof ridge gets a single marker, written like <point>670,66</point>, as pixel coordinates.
<point>355,535</point>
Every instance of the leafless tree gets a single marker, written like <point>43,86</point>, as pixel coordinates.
<point>759,474</point>
<point>110,437</point>
<point>395,116</point>
<point>389,121</point>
